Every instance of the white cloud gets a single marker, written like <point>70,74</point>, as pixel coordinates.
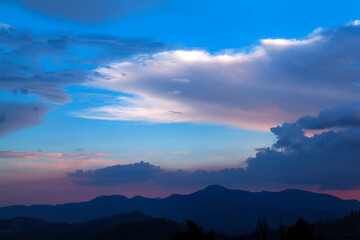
<point>175,92</point>
<point>280,42</point>
<point>355,22</point>
<point>181,80</point>
<point>280,80</point>
<point>5,26</point>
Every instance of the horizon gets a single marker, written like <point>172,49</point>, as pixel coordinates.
<point>158,97</point>
<point>184,193</point>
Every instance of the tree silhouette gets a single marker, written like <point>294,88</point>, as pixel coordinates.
<point>262,229</point>
<point>301,231</point>
<point>282,230</point>
<point>194,232</point>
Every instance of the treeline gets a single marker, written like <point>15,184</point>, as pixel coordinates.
<point>301,230</point>
<point>346,228</point>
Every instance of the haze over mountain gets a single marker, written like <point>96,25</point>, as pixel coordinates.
<point>215,207</point>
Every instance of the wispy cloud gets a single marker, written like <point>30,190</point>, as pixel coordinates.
<point>38,155</point>
<point>160,153</point>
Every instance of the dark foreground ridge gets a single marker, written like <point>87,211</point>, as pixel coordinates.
<point>136,226</point>
<point>132,225</point>
<point>215,207</point>
<point>125,226</point>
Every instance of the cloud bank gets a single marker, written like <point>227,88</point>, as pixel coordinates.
<point>327,161</point>
<point>278,80</point>
<point>144,172</point>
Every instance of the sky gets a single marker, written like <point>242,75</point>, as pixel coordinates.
<point>154,97</point>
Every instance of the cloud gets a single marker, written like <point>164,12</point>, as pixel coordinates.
<point>278,80</point>
<point>86,10</point>
<point>5,26</point>
<point>118,174</point>
<point>160,153</point>
<point>181,80</point>
<point>38,155</point>
<point>327,161</point>
<point>144,172</point>
<point>342,116</point>
<point>50,162</point>
<point>41,65</point>
<point>16,116</point>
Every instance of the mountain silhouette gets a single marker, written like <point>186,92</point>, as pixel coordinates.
<point>215,207</point>
<point>345,228</point>
<point>19,224</point>
<point>68,231</point>
<point>126,226</point>
<point>152,229</point>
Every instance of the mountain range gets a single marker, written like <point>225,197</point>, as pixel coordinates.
<point>229,211</point>
<point>131,225</point>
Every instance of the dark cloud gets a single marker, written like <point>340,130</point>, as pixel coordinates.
<point>145,172</point>
<point>118,174</point>
<point>86,10</point>
<point>15,116</point>
<point>343,116</point>
<point>42,64</point>
<point>329,160</point>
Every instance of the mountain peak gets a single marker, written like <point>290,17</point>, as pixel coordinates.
<point>109,197</point>
<point>215,188</point>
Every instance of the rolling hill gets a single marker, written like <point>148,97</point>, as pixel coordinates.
<point>215,207</point>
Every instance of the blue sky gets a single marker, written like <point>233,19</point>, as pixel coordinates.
<point>176,84</point>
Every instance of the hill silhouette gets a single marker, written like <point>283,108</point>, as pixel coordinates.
<point>19,224</point>
<point>345,228</point>
<point>152,229</point>
<point>215,207</point>
<point>68,231</point>
<point>126,226</point>
<point>136,226</point>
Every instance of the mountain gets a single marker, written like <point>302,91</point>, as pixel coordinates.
<point>86,230</point>
<point>153,229</point>
<point>19,224</point>
<point>126,226</point>
<point>347,228</point>
<point>215,207</point>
